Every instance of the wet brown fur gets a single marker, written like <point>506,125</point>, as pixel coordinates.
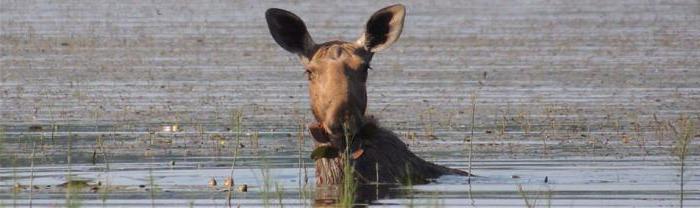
<point>337,73</point>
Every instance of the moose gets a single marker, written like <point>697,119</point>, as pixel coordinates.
<point>337,74</point>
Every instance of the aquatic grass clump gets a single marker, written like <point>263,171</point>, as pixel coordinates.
<point>473,98</point>
<point>347,195</point>
<point>266,182</point>
<point>532,202</point>
<point>31,175</point>
<point>303,178</point>
<point>409,187</point>
<point>349,186</point>
<point>279,191</point>
<point>153,191</point>
<point>427,118</point>
<point>524,120</point>
<point>72,190</point>
<point>681,150</point>
<point>73,198</point>
<point>236,121</point>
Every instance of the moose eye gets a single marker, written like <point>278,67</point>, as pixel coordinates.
<point>308,74</point>
<point>366,68</point>
<point>363,75</point>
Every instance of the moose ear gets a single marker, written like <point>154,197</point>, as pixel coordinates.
<point>383,28</point>
<point>289,31</point>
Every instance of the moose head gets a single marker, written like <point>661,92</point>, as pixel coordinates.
<point>337,70</point>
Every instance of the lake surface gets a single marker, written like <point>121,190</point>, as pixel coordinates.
<point>591,95</point>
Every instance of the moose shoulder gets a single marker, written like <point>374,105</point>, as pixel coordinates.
<point>337,74</point>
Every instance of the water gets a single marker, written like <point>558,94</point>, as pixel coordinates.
<point>181,169</point>
<point>587,94</point>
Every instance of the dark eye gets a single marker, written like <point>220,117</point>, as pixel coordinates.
<point>366,67</point>
<point>308,74</point>
<point>363,74</point>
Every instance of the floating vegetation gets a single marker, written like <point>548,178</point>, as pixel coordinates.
<point>170,128</point>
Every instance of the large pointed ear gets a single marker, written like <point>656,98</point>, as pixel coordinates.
<point>383,28</point>
<point>289,31</point>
